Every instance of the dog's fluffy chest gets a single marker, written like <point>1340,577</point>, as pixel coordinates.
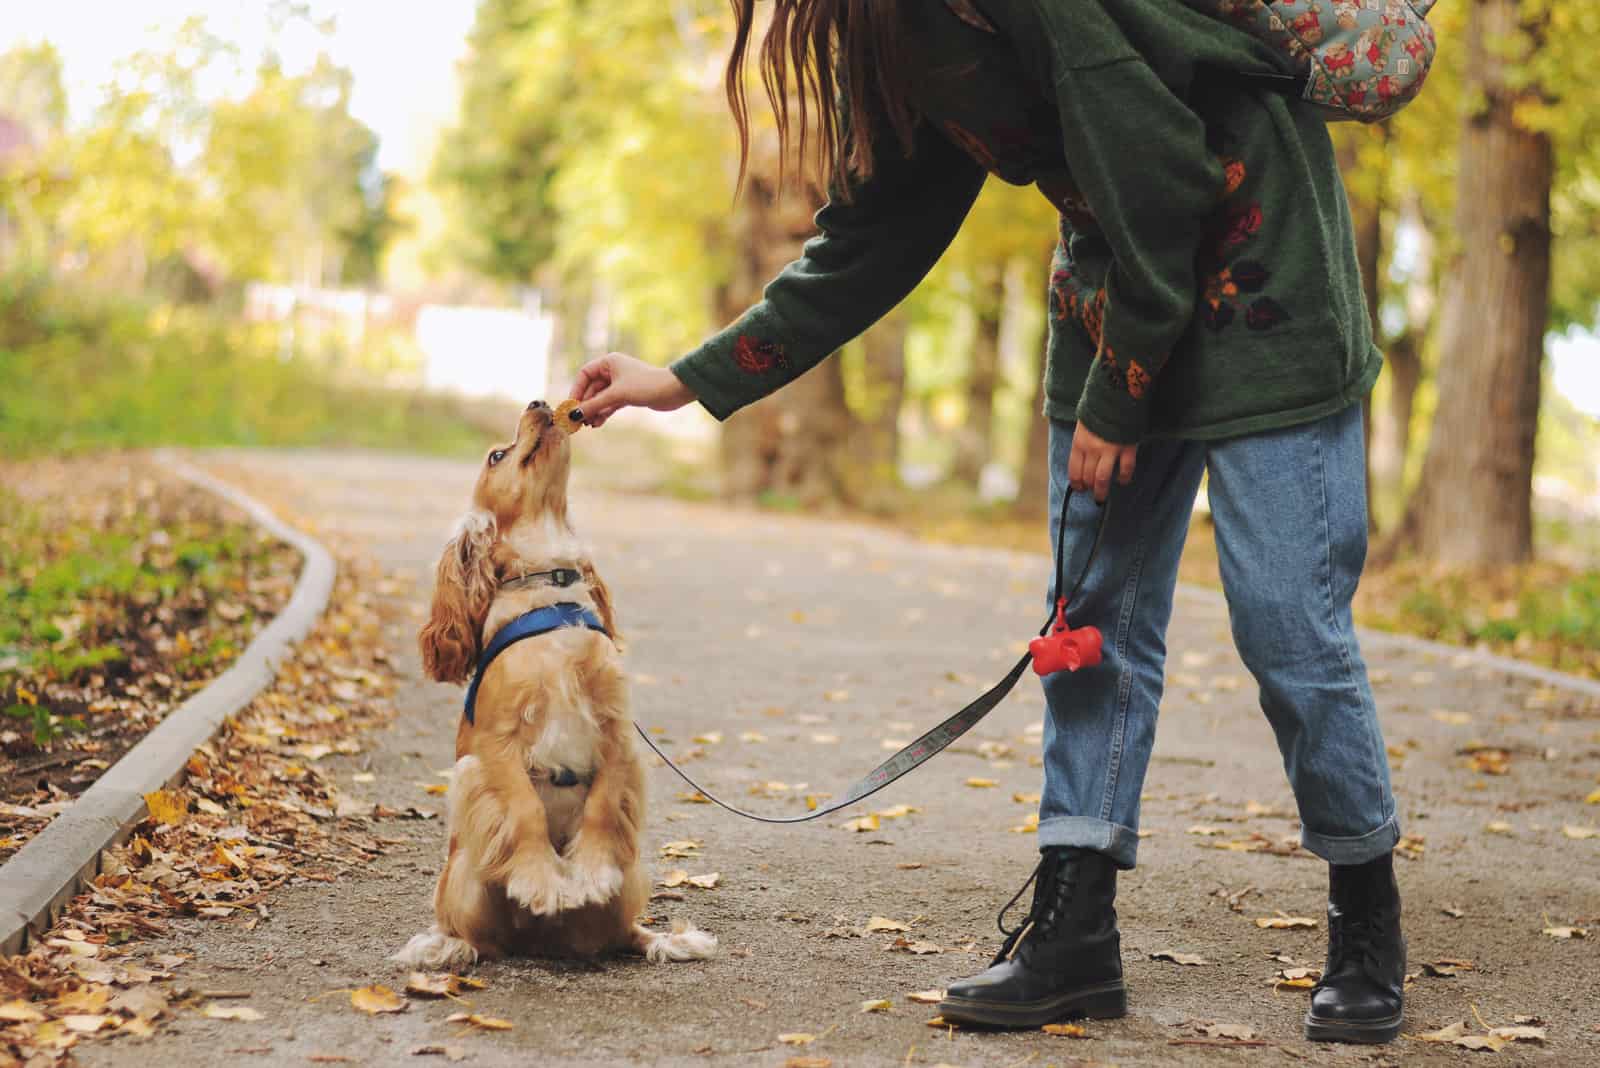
<point>568,738</point>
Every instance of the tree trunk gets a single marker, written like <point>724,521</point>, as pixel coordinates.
<point>1392,436</point>
<point>1474,503</point>
<point>795,443</point>
<point>1033,484</point>
<point>1365,194</point>
<point>875,473</point>
<point>975,439</point>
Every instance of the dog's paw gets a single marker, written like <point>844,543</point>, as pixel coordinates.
<point>590,882</point>
<point>540,890</point>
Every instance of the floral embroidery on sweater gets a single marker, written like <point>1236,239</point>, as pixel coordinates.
<point>754,356</point>
<point>1222,281</point>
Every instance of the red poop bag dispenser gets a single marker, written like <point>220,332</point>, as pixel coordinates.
<point>1065,647</point>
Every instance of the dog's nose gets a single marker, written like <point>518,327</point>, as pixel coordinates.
<point>534,406</point>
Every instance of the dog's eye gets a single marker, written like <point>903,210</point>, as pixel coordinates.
<point>496,456</point>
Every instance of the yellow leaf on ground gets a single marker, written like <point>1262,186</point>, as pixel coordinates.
<point>1205,832</point>
<point>897,811</point>
<point>862,824</point>
<point>1190,959</point>
<point>687,847</point>
<point>486,1023</point>
<point>982,784</point>
<point>85,1024</point>
<point>797,1038</point>
<point>1593,799</point>
<point>883,923</point>
<point>217,1011</point>
<point>1284,923</point>
<point>376,999</point>
<point>1519,1034</point>
<point>170,807</point>
<point>877,1005</point>
<point>926,997</point>
<point>442,985</point>
<point>674,878</point>
<point>1027,826</point>
<point>1025,799</point>
<point>437,789</point>
<point>1066,1030</point>
<point>709,738</point>
<point>1566,932</point>
<point>1580,833</point>
<point>705,882</point>
<point>19,1011</point>
<point>808,1062</point>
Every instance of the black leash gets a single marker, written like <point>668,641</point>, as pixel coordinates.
<point>940,737</point>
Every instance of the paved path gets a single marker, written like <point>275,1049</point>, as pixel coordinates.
<point>827,641</point>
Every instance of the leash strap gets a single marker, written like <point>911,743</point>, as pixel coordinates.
<point>939,738</point>
<point>530,625</point>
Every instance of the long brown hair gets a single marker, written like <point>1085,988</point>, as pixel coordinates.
<point>829,49</point>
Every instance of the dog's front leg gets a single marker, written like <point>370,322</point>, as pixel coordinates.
<point>607,842</point>
<point>502,823</point>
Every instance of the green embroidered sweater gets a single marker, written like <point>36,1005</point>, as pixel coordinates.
<point>1205,284</point>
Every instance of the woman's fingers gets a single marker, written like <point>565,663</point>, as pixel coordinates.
<point>1105,465</point>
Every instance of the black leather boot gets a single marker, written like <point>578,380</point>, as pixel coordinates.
<point>1361,995</point>
<point>1065,960</point>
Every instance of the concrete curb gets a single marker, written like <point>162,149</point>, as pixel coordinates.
<point>53,866</point>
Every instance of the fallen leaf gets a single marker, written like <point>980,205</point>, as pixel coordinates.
<point>19,1011</point>
<point>1446,968</point>
<point>897,811</point>
<point>709,738</point>
<point>926,997</point>
<point>674,878</point>
<point>877,1005</point>
<point>442,985</point>
<point>376,999</point>
<point>1580,833</point>
<point>919,948</point>
<point>883,923</point>
<point>1593,799</point>
<point>1066,1030</point>
<point>437,789</point>
<point>1497,827</point>
<point>1519,1034</point>
<point>1175,957</point>
<point>230,1012</point>
<point>1027,826</point>
<point>1566,932</point>
<point>1284,923</point>
<point>1025,799</point>
<point>167,807</point>
<point>1227,1030</point>
<point>1206,832</point>
<point>808,1062</point>
<point>982,784</point>
<point>797,1038</point>
<point>454,1053</point>
<point>1452,911</point>
<point>486,1023</point>
<point>705,882</point>
<point>687,847</point>
<point>862,824</point>
<point>85,1024</point>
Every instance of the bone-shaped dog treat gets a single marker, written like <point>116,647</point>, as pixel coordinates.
<point>569,417</point>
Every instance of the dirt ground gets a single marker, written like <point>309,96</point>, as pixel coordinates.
<point>796,651</point>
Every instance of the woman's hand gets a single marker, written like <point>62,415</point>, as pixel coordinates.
<point>614,381</point>
<point>1094,460</point>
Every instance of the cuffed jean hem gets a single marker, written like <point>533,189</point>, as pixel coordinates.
<point>1357,850</point>
<point>1119,843</point>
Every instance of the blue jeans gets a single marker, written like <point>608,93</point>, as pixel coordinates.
<point>1290,514</point>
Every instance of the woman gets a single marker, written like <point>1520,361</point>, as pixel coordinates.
<point>1206,316</point>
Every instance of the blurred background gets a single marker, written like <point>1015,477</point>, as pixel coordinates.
<point>345,223</point>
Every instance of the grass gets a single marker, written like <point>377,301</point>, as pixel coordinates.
<point>114,589</point>
<point>81,372</point>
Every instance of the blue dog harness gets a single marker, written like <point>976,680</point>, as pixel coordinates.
<point>531,625</point>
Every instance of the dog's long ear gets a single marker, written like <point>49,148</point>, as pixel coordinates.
<point>602,600</point>
<point>463,588</point>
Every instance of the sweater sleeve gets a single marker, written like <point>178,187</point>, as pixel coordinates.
<point>1139,157</point>
<point>871,250</point>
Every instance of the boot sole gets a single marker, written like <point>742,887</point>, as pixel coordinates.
<point>1101,1001</point>
<point>1374,1032</point>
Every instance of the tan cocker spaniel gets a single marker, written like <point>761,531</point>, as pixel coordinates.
<point>548,797</point>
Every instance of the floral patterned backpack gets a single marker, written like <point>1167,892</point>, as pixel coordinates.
<point>1353,59</point>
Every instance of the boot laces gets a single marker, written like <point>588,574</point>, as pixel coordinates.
<point>1056,878</point>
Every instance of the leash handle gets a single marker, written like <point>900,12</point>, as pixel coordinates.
<point>938,738</point>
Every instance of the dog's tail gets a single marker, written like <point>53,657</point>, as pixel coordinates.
<point>685,942</point>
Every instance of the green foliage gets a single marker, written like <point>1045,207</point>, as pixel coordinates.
<point>31,89</point>
<point>81,372</point>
